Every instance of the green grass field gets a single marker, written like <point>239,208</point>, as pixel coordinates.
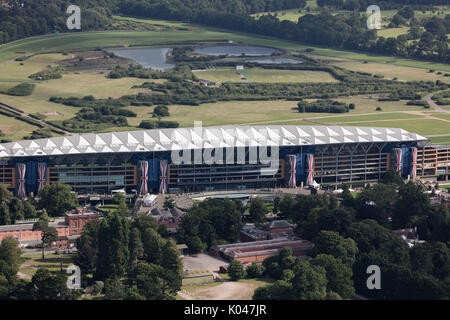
<point>392,32</point>
<point>372,117</point>
<point>277,112</point>
<point>421,126</point>
<point>14,129</point>
<point>78,84</point>
<point>264,75</point>
<point>31,262</point>
<point>89,40</point>
<point>441,140</point>
<point>391,71</point>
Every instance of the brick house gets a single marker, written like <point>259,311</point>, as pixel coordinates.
<point>68,229</point>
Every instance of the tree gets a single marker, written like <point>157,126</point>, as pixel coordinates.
<point>122,210</point>
<point>136,246</point>
<point>339,275</point>
<point>196,245</point>
<point>153,282</point>
<point>57,198</point>
<point>411,202</point>
<point>16,208</point>
<point>49,286</point>
<point>276,204</point>
<point>87,247</point>
<point>113,255</point>
<point>330,242</point>
<point>377,203</point>
<point>9,260</point>
<point>153,246</point>
<point>118,198</point>
<point>372,237</point>
<point>5,194</point>
<point>48,234</point>
<point>309,282</point>
<point>29,210</point>
<point>392,177</point>
<point>280,290</point>
<point>114,289</point>
<point>236,270</point>
<point>255,270</point>
<point>5,215</point>
<point>161,111</point>
<point>338,219</point>
<point>258,210</point>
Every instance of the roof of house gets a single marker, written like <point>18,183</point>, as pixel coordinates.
<point>202,137</point>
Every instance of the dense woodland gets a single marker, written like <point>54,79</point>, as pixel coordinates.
<point>135,259</point>
<point>342,30</point>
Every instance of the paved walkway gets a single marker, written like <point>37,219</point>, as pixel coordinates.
<point>432,104</point>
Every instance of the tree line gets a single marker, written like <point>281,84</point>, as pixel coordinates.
<point>341,30</point>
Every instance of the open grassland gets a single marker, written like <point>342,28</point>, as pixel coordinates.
<point>31,262</point>
<point>392,32</point>
<point>14,129</point>
<point>18,71</point>
<point>89,40</point>
<point>157,22</point>
<point>276,112</point>
<point>369,117</point>
<point>421,126</point>
<point>265,75</point>
<point>78,84</point>
<point>441,140</point>
<point>392,71</point>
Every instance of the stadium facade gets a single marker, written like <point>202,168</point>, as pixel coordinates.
<point>219,158</point>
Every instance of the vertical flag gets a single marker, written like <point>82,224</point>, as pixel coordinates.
<point>21,169</point>
<point>143,177</point>
<point>42,172</point>
<point>163,176</point>
<point>413,172</point>
<point>292,163</point>
<point>398,159</point>
<point>310,169</point>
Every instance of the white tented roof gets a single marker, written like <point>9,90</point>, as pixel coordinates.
<point>203,137</point>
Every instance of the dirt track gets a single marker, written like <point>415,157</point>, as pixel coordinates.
<point>224,291</point>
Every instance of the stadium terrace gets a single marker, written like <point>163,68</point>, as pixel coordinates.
<point>217,158</point>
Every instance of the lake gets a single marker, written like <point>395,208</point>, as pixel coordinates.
<point>234,50</point>
<point>153,58</point>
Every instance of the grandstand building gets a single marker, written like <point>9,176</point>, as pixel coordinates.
<point>219,158</point>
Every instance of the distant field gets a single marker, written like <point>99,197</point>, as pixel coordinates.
<point>422,126</point>
<point>278,111</point>
<point>52,262</point>
<point>392,71</point>
<point>78,84</point>
<point>373,117</point>
<point>14,129</point>
<point>441,140</point>
<point>89,40</point>
<point>265,75</point>
<point>392,32</point>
